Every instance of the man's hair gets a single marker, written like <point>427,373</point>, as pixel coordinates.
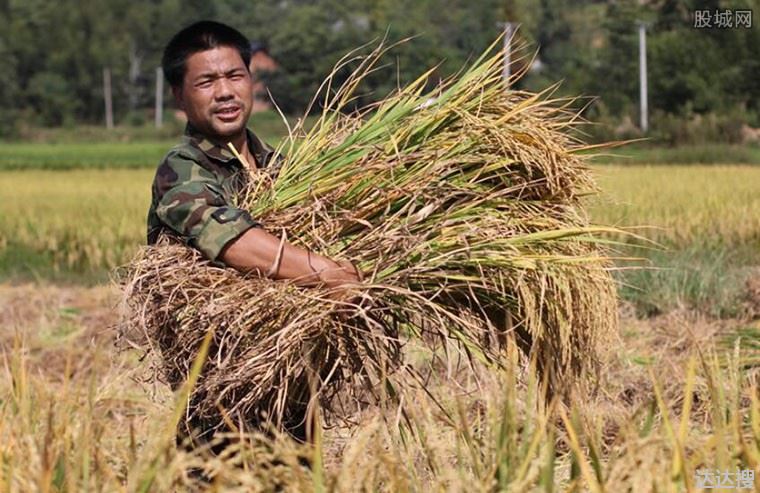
<point>201,36</point>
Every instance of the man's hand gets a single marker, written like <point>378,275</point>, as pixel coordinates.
<point>341,280</point>
<point>340,273</point>
<point>342,284</point>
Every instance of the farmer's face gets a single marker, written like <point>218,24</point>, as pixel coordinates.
<point>216,93</point>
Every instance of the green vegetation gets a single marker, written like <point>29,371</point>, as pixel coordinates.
<point>91,147</point>
<point>707,278</point>
<point>57,151</point>
<point>703,82</point>
<point>64,156</point>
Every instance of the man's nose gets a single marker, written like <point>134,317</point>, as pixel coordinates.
<point>223,89</point>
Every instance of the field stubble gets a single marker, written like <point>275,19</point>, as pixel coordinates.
<point>78,415</point>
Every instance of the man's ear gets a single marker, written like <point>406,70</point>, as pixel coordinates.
<point>177,91</point>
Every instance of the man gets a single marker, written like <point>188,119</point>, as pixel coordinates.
<point>206,65</point>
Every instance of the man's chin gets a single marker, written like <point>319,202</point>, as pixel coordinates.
<point>229,130</point>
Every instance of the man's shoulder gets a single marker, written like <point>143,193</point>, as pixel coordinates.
<point>182,163</point>
<point>183,153</point>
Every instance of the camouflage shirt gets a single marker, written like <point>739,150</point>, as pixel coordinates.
<point>194,190</point>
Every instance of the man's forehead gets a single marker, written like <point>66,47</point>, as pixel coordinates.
<point>216,60</point>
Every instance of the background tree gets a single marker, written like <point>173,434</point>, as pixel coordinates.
<point>54,53</point>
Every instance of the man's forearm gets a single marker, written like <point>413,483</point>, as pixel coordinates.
<point>257,250</point>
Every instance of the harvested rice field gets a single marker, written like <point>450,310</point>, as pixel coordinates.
<point>677,392</point>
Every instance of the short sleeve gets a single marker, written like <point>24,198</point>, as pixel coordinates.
<point>192,203</point>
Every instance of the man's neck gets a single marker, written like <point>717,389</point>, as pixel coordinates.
<point>240,142</point>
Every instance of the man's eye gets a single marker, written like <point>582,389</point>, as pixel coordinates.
<point>236,76</point>
<point>204,83</point>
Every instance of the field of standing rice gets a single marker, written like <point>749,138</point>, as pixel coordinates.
<point>75,415</point>
<point>89,220</point>
<point>683,205</point>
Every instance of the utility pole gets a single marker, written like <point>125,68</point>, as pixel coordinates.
<point>159,98</point>
<point>107,97</point>
<point>644,123</point>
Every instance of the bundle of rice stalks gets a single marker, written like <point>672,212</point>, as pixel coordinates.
<point>462,206</point>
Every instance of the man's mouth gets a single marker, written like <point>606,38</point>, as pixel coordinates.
<point>228,112</point>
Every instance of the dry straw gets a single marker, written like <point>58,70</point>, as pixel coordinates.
<point>463,206</point>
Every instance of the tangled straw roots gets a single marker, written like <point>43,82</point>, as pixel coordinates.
<point>274,345</point>
<point>271,340</point>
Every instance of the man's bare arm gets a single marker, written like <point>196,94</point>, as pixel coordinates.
<point>257,250</point>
